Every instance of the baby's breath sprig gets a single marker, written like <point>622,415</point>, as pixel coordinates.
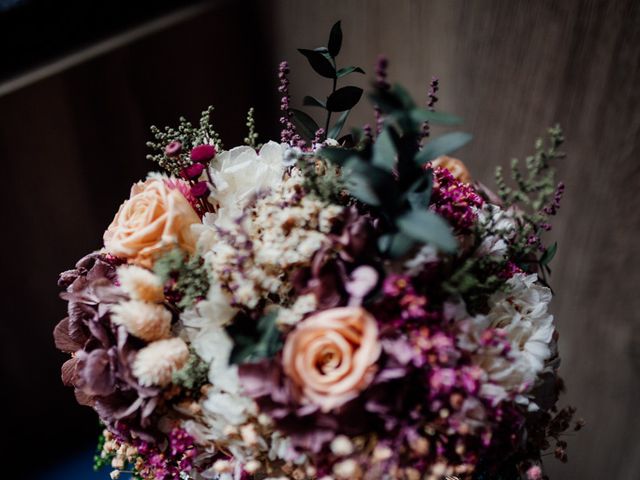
<point>173,145</point>
<point>252,135</point>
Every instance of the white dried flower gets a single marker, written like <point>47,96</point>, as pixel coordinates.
<point>252,466</point>
<point>140,284</point>
<point>156,363</point>
<point>346,469</point>
<point>342,446</point>
<point>222,466</point>
<point>147,321</point>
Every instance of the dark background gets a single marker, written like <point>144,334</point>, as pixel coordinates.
<point>80,85</point>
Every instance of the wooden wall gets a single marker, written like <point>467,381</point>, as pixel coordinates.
<point>71,144</point>
<point>510,69</point>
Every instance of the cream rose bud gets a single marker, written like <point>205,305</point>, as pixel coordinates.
<point>331,355</point>
<point>156,363</point>
<point>155,218</point>
<point>147,321</point>
<point>140,284</point>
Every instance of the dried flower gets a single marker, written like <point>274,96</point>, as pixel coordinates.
<point>156,363</point>
<point>140,283</point>
<point>331,355</point>
<point>147,321</point>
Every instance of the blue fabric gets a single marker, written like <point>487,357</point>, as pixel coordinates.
<point>77,468</point>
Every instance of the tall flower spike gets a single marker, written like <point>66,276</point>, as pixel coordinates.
<point>381,82</point>
<point>288,133</point>
<point>434,86</point>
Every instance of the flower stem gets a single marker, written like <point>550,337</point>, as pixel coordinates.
<point>335,84</point>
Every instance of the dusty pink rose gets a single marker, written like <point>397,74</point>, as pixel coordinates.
<point>153,220</point>
<point>331,355</point>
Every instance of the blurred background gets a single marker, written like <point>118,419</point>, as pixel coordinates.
<point>81,82</point>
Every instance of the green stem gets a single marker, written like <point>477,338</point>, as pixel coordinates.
<point>335,84</point>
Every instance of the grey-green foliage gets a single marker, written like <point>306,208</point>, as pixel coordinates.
<point>533,188</point>
<point>265,344</point>
<point>193,375</point>
<point>536,185</point>
<point>188,276</point>
<point>390,177</point>
<point>188,135</point>
<point>252,135</point>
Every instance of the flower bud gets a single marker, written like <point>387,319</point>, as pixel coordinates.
<point>203,153</point>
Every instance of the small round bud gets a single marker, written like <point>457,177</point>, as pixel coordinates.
<point>173,149</point>
<point>203,153</point>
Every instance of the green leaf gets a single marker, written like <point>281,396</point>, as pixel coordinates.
<point>305,125</point>
<point>548,254</point>
<point>335,40</point>
<point>428,227</point>
<point>266,345</point>
<point>366,182</point>
<point>421,115</point>
<point>310,101</point>
<point>336,155</point>
<point>337,127</point>
<point>384,151</point>
<point>319,62</point>
<point>419,193</point>
<point>403,95</point>
<point>344,98</point>
<point>395,245</point>
<point>343,72</point>
<point>443,145</point>
<point>385,101</point>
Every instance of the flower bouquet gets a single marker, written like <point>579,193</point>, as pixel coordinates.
<point>324,307</point>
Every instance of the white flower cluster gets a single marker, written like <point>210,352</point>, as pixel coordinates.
<point>252,254</point>
<point>520,315</point>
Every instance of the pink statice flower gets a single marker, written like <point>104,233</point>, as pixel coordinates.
<point>454,200</point>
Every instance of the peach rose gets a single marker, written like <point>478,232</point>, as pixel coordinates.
<point>457,168</point>
<point>331,355</point>
<point>153,220</point>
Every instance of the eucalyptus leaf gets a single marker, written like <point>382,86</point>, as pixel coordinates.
<point>319,62</point>
<point>310,101</point>
<point>336,155</point>
<point>337,127</point>
<point>361,189</point>
<point>266,345</point>
<point>305,125</point>
<point>344,98</point>
<point>421,115</point>
<point>403,95</point>
<point>385,101</point>
<point>395,245</point>
<point>368,183</point>
<point>428,227</point>
<point>343,72</point>
<point>548,254</point>
<point>335,39</point>
<point>384,151</point>
<point>443,145</point>
<point>419,193</point>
